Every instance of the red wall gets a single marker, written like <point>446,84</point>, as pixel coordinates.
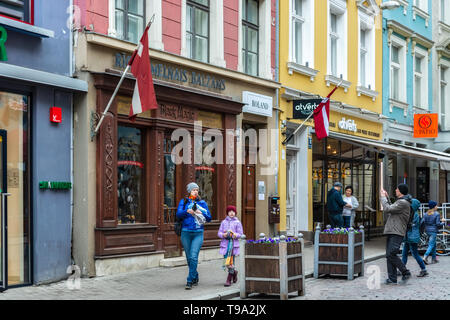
<point>230,31</point>
<point>171,25</point>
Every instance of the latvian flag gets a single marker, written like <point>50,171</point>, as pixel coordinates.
<point>322,116</point>
<point>144,94</point>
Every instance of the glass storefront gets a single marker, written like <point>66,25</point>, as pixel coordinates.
<point>14,120</point>
<point>352,165</point>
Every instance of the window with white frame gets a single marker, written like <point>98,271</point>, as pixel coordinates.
<point>363,57</point>
<point>398,70</point>
<point>129,19</point>
<point>298,21</point>
<point>16,9</point>
<point>421,4</point>
<point>250,36</point>
<point>445,11</point>
<point>444,93</point>
<point>197,29</point>
<point>420,79</point>
<point>337,40</point>
<point>302,32</point>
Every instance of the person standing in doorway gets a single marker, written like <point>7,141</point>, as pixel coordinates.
<point>398,215</point>
<point>432,222</point>
<point>335,205</point>
<point>349,214</point>
<point>194,212</point>
<point>412,239</point>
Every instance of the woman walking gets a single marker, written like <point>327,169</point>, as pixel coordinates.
<point>432,221</point>
<point>349,213</point>
<point>412,239</point>
<point>194,212</point>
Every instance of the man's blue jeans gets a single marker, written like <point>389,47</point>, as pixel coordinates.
<point>415,253</point>
<point>336,220</point>
<point>347,221</point>
<point>431,245</point>
<point>192,243</point>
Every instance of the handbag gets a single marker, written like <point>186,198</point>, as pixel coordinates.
<point>177,227</point>
<point>179,222</point>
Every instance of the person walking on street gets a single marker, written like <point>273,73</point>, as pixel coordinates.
<point>412,240</point>
<point>398,215</point>
<point>194,212</point>
<point>230,231</point>
<point>432,222</point>
<point>335,205</point>
<point>349,214</point>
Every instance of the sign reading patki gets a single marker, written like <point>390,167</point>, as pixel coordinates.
<point>303,108</point>
<point>426,125</point>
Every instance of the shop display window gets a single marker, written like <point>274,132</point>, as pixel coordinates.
<point>131,166</point>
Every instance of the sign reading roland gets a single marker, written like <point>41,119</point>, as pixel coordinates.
<point>257,104</point>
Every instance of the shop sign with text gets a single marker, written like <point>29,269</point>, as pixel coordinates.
<point>257,104</point>
<point>303,108</point>
<point>426,125</point>
<point>174,73</point>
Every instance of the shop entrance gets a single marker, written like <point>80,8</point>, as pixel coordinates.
<point>291,191</point>
<point>14,200</point>
<point>352,165</point>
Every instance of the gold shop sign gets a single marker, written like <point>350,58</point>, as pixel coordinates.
<point>210,119</point>
<point>124,105</point>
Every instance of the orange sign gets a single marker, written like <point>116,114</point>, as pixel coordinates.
<point>426,125</point>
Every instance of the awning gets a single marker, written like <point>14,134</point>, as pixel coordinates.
<point>381,146</point>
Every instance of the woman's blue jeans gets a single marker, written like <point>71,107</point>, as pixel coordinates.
<point>347,221</point>
<point>415,253</point>
<point>431,245</point>
<point>192,243</point>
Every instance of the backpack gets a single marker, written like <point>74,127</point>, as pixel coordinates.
<point>411,216</point>
<point>179,222</point>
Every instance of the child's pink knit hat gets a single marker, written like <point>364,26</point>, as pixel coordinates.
<point>229,208</point>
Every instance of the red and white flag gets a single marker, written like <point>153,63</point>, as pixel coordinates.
<point>144,93</point>
<point>322,116</point>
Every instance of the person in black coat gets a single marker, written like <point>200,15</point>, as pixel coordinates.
<point>335,206</point>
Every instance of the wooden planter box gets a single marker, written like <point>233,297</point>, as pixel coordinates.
<point>339,254</point>
<point>272,268</point>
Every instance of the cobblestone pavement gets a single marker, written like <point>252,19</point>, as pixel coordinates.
<point>435,286</point>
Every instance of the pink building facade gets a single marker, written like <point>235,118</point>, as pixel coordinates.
<point>97,16</point>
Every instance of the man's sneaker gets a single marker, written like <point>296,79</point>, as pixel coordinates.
<point>188,286</point>
<point>195,282</point>
<point>434,261</point>
<point>423,273</point>
<point>406,276</point>
<point>389,281</point>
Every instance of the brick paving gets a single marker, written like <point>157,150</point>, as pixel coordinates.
<point>435,286</point>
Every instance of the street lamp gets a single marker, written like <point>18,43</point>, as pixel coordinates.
<point>389,5</point>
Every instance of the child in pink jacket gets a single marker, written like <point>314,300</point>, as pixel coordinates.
<point>230,231</point>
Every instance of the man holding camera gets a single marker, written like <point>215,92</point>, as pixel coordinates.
<point>398,215</point>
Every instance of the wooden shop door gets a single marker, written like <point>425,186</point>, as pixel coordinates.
<point>248,200</point>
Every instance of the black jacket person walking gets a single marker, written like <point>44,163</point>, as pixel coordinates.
<point>397,215</point>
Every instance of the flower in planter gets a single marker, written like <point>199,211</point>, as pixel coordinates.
<point>338,231</point>
<point>274,240</point>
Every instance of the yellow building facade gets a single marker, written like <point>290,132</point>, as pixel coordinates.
<point>324,43</point>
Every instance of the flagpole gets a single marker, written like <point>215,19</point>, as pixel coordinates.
<point>119,84</point>
<point>302,124</point>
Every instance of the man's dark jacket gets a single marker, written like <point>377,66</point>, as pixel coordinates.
<point>335,204</point>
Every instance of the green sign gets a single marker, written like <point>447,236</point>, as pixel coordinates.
<point>55,185</point>
<point>3,37</point>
